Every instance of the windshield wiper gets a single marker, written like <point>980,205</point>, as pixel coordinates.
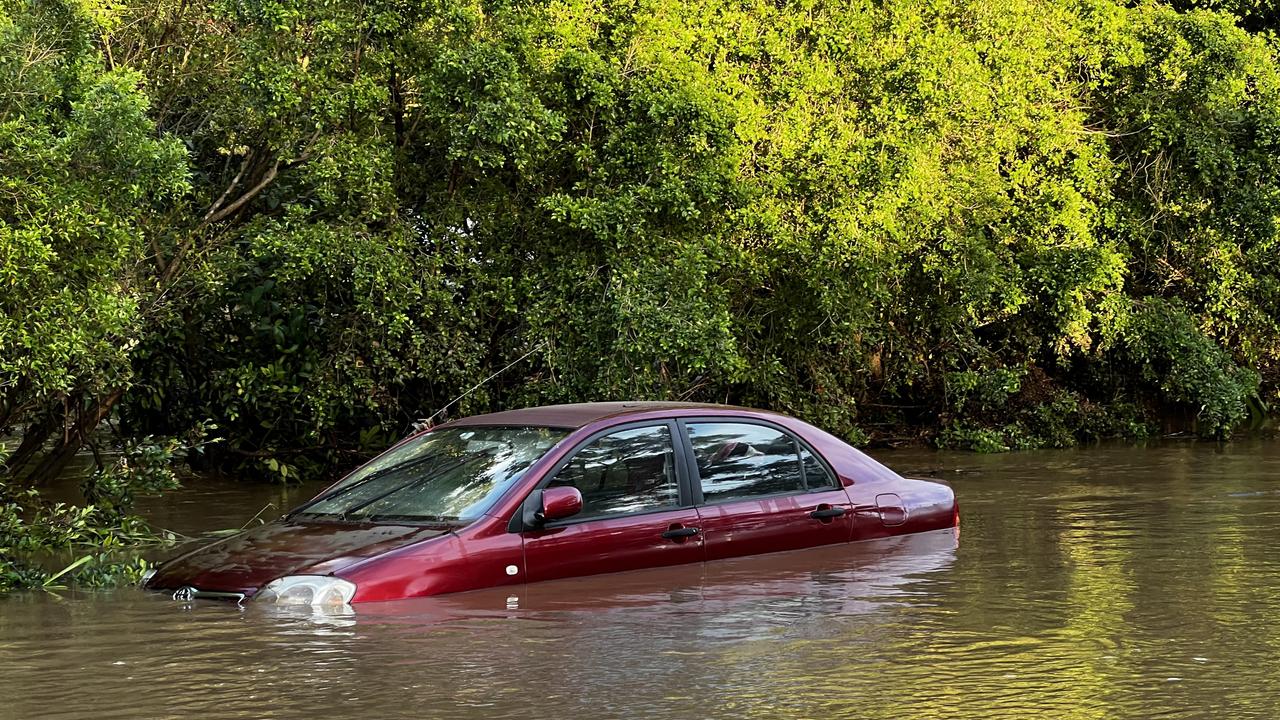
<point>416,519</point>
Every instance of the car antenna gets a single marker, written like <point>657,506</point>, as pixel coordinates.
<point>428,422</point>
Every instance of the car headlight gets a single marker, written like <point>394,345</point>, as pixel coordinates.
<point>313,590</point>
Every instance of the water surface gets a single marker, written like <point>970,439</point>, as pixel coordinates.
<point>1111,582</point>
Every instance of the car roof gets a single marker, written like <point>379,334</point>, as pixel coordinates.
<point>577,415</point>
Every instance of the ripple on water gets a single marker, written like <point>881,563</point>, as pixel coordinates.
<point>1112,582</point>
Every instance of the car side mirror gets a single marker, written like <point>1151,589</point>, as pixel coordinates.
<point>559,503</point>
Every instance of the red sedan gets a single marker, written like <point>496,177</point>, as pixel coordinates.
<point>562,491</point>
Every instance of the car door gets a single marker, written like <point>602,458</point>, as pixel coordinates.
<point>636,513</point>
<point>759,489</point>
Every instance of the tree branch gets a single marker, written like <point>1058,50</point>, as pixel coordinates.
<point>217,213</point>
<point>249,194</point>
<point>235,181</point>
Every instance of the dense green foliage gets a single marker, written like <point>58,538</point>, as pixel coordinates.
<point>1007,223</point>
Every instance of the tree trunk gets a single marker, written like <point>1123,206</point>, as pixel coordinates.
<point>9,404</point>
<point>32,440</point>
<point>56,461</point>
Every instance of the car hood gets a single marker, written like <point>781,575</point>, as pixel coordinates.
<point>247,561</point>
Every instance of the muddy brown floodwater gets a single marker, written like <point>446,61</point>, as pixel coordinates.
<point>1107,582</point>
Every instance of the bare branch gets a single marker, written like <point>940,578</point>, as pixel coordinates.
<point>227,193</point>
<point>252,192</point>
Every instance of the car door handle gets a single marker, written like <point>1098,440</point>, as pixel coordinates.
<point>676,533</point>
<point>826,513</point>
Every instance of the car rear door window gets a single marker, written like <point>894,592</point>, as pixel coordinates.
<point>738,460</point>
<point>627,471</point>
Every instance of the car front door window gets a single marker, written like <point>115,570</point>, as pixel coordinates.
<point>628,471</point>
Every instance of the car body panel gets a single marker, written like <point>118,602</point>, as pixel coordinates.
<point>394,561</point>
<point>479,556</point>
<point>250,559</point>
<point>849,579</point>
<point>612,544</point>
<point>772,524</point>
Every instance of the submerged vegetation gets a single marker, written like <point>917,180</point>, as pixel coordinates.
<point>990,223</point>
<point>45,543</point>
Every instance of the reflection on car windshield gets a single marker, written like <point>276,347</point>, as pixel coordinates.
<point>447,475</point>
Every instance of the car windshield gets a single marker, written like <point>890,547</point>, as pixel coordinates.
<point>447,475</point>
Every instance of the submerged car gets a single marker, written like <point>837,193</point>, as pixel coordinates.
<point>561,491</point>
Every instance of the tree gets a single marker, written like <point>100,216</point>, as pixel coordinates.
<point>84,176</point>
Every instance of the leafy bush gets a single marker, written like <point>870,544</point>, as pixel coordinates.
<point>843,213</point>
<point>1187,367</point>
<point>32,529</point>
<point>98,534</point>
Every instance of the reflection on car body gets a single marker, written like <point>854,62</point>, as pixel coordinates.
<point>562,491</point>
<point>860,578</point>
